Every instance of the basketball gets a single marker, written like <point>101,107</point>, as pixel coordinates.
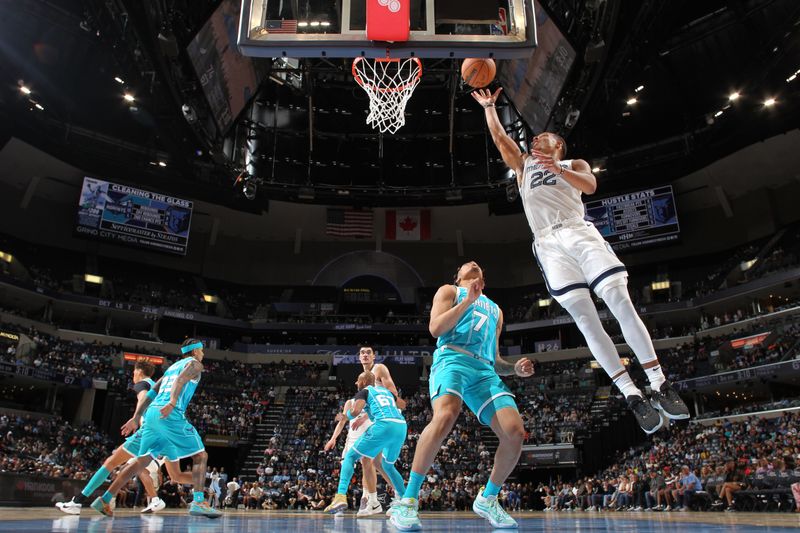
<point>478,72</point>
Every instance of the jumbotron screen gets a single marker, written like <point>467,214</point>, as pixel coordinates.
<point>133,216</point>
<point>636,219</point>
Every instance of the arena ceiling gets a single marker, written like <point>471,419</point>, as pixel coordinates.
<point>79,59</point>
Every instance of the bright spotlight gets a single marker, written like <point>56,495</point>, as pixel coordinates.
<point>631,101</point>
<point>119,80</point>
<point>769,102</point>
<point>129,97</point>
<point>639,89</point>
<point>718,113</point>
<point>162,164</point>
<point>24,90</point>
<point>39,107</point>
<point>595,169</point>
<point>734,96</point>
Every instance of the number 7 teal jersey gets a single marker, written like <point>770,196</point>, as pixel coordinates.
<point>476,330</point>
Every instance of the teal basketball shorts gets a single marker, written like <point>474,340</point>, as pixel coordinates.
<point>475,382</point>
<point>384,436</point>
<point>173,437</point>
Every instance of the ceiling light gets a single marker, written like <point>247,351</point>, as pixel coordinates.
<point>639,88</point>
<point>545,302</point>
<point>734,96</point>
<point>631,101</point>
<point>315,23</point>
<point>210,298</point>
<point>24,90</point>
<point>162,164</point>
<point>718,113</point>
<point>129,97</point>
<point>595,169</point>
<point>119,80</point>
<point>791,78</point>
<point>326,24</point>
<point>302,24</point>
<point>91,278</point>
<point>39,107</point>
<point>769,102</point>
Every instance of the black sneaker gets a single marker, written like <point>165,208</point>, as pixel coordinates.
<point>648,418</point>
<point>668,402</point>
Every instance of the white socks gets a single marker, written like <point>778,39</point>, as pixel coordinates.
<point>655,376</point>
<point>626,386</point>
<point>372,498</point>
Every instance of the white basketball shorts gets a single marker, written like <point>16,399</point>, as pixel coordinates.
<point>575,259</point>
<point>354,434</point>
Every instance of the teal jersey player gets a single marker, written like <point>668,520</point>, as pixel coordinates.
<point>466,370</point>
<point>476,330</point>
<point>384,438</point>
<point>380,403</point>
<point>168,380</point>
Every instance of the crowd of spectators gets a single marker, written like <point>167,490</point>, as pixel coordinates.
<point>673,471</point>
<point>49,446</point>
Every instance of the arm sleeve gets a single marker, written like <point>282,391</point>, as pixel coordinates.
<point>142,385</point>
<point>361,395</point>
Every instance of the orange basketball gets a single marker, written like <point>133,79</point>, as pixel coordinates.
<point>478,72</point>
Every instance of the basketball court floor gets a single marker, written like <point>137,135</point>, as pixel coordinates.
<point>40,520</point>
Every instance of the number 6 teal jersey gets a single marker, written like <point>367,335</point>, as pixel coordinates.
<point>476,330</point>
<point>380,404</point>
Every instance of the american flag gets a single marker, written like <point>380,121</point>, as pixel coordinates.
<point>349,222</point>
<point>281,26</point>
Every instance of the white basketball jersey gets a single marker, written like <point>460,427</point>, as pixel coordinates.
<point>546,197</point>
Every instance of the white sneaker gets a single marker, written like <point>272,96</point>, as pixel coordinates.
<point>155,505</point>
<point>70,507</point>
<point>370,509</point>
<point>392,506</point>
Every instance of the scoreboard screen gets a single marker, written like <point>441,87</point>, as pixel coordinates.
<point>636,219</point>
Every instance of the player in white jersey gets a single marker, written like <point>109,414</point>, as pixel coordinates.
<point>369,478</point>
<point>575,259</point>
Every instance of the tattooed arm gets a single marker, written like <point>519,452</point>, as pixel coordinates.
<point>189,373</point>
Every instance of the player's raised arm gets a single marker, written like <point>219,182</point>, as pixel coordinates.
<point>445,315</point>
<point>579,176</point>
<point>511,153</point>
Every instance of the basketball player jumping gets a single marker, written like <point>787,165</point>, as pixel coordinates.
<point>384,438</point>
<point>166,432</point>
<point>466,369</point>
<point>142,383</point>
<point>575,259</point>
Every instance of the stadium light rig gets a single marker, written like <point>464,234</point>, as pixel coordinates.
<point>24,89</point>
<point>632,101</point>
<point>734,96</point>
<point>769,102</point>
<point>129,98</point>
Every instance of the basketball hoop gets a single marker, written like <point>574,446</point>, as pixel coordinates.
<point>389,83</point>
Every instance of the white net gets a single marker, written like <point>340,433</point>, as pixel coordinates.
<point>389,83</point>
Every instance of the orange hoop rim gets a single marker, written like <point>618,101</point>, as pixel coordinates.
<point>387,59</point>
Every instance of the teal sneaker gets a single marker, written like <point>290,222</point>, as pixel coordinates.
<point>102,507</point>
<point>405,516</point>
<point>203,509</point>
<point>489,508</point>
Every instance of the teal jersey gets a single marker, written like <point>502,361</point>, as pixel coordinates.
<point>476,330</point>
<point>168,379</point>
<point>380,404</point>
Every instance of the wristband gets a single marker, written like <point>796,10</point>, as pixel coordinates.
<point>349,415</point>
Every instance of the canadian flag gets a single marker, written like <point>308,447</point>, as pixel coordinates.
<point>408,224</point>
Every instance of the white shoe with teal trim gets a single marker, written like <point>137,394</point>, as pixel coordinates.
<point>405,516</point>
<point>489,508</point>
<point>392,506</point>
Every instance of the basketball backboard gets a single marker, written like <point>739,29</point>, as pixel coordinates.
<point>338,28</point>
